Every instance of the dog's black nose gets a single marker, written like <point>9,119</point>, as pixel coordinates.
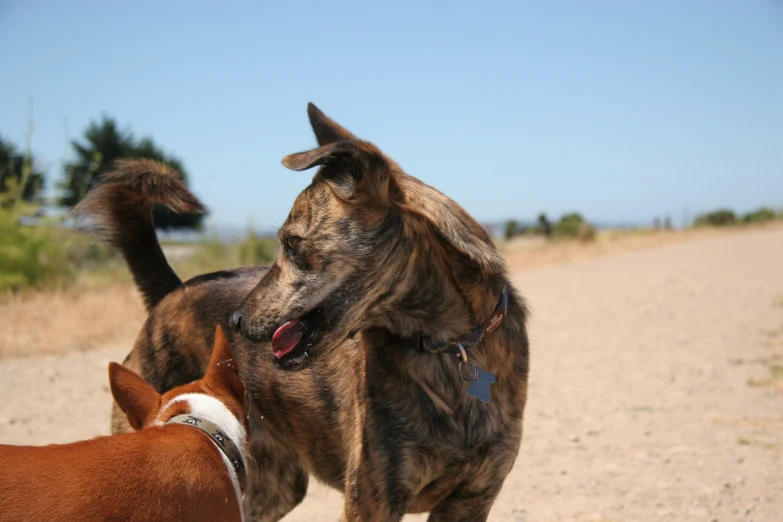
<point>236,320</point>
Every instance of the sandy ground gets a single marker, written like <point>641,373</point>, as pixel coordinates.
<point>655,391</point>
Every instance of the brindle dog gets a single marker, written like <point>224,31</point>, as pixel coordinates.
<point>371,260</point>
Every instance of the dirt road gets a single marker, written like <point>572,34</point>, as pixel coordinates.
<point>656,389</point>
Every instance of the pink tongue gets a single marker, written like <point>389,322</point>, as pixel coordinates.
<point>286,338</point>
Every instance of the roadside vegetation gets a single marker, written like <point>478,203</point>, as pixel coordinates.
<point>574,226</point>
<point>41,249</point>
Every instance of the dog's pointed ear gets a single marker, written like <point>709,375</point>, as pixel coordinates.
<point>325,129</point>
<point>222,373</point>
<point>137,399</point>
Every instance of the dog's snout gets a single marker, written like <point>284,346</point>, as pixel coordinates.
<point>236,320</point>
<point>246,326</point>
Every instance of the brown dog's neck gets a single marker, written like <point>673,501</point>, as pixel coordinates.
<point>437,374</point>
<point>437,306</point>
<point>436,270</point>
<point>454,296</point>
<point>459,291</point>
<point>461,249</point>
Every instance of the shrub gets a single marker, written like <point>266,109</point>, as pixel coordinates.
<point>209,255</point>
<point>544,226</point>
<point>256,250</point>
<point>760,216</point>
<point>29,256</point>
<point>574,226</point>
<point>44,255</point>
<point>514,229</point>
<point>511,229</point>
<point>719,218</point>
<point>212,254</point>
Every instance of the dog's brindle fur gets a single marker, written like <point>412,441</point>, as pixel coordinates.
<point>379,257</point>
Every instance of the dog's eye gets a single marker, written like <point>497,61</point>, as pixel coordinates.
<point>292,241</point>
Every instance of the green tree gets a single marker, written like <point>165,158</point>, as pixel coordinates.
<point>104,143</point>
<point>11,168</point>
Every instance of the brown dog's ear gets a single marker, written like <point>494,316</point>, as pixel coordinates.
<point>338,151</point>
<point>222,374</point>
<point>356,171</point>
<point>325,129</point>
<point>137,399</point>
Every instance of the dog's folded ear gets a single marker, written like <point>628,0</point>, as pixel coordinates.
<point>356,171</point>
<point>137,399</point>
<point>340,151</point>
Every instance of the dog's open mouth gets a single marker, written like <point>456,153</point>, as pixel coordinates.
<point>287,338</point>
<point>292,339</point>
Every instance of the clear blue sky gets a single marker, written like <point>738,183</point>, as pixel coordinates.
<point>622,110</point>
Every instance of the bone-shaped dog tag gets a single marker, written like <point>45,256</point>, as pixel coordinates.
<point>479,388</point>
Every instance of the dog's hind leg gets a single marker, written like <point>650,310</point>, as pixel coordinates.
<point>277,482</point>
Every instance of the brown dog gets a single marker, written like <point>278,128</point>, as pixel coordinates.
<point>379,278</point>
<point>167,471</point>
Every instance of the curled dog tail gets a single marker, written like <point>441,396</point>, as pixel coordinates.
<point>121,206</point>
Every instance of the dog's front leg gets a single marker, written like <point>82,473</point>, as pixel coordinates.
<point>375,487</point>
<point>277,481</point>
<point>366,503</point>
<point>472,499</point>
<point>463,506</point>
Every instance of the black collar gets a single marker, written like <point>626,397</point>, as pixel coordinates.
<point>473,337</point>
<point>221,440</point>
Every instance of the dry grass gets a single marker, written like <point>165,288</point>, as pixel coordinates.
<point>526,253</point>
<point>40,323</point>
<point>104,309</point>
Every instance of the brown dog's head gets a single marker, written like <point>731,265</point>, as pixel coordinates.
<point>144,406</point>
<point>365,245</point>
